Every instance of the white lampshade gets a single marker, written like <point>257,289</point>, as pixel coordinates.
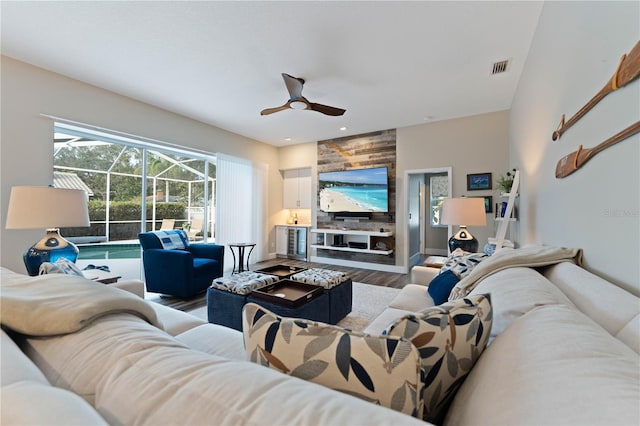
<point>44,207</point>
<point>464,211</point>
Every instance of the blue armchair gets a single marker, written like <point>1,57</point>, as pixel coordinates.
<point>173,266</point>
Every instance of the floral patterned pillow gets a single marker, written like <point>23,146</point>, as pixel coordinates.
<point>384,370</point>
<point>450,338</point>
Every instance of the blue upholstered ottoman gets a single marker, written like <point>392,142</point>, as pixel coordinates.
<point>338,286</point>
<point>227,296</point>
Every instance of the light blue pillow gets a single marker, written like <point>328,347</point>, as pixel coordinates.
<point>173,239</point>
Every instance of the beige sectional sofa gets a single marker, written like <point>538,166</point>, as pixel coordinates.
<point>564,349</point>
<point>121,367</point>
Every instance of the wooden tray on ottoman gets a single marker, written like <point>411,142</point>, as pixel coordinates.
<point>288,293</point>
<point>281,271</point>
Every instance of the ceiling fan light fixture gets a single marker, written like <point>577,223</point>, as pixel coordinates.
<point>297,101</point>
<point>298,105</point>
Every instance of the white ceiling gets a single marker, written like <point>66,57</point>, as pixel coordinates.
<point>389,64</point>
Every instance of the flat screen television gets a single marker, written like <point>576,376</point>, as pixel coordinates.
<point>358,190</point>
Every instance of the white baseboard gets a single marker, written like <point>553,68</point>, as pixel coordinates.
<point>363,265</point>
<point>270,256</point>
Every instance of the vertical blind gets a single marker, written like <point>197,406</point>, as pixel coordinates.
<point>240,204</point>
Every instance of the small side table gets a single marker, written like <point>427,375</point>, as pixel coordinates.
<point>241,248</point>
<point>435,261</point>
<point>101,276</point>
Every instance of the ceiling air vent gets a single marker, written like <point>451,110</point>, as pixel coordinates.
<point>500,67</point>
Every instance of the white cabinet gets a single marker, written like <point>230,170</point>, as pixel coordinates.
<point>297,189</point>
<point>281,240</point>
<point>291,189</point>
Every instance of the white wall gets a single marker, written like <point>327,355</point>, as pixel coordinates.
<point>26,145</point>
<point>475,144</point>
<point>575,51</point>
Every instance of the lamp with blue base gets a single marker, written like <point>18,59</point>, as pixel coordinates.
<point>51,248</point>
<point>42,207</point>
<point>464,212</point>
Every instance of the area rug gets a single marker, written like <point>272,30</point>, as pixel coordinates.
<point>368,302</point>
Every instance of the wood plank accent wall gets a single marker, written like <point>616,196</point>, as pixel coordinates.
<point>377,149</point>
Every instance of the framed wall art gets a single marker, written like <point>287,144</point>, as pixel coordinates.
<point>478,181</point>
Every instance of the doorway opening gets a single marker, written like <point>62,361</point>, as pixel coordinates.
<point>426,189</point>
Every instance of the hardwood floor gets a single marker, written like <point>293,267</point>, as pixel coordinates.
<point>385,279</point>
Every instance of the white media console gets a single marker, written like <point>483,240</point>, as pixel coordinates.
<point>370,242</point>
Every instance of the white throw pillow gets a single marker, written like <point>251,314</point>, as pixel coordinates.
<point>61,266</point>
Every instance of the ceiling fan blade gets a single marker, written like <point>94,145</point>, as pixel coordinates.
<point>268,111</point>
<point>327,110</point>
<point>294,86</point>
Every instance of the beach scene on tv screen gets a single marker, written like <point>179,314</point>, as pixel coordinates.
<point>360,190</point>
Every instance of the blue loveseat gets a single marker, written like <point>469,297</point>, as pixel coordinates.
<point>173,266</point>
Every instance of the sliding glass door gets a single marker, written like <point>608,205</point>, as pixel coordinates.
<point>180,188</point>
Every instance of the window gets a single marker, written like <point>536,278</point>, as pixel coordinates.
<point>179,185</point>
<point>438,192</point>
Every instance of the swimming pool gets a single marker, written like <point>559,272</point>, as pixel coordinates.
<point>109,251</point>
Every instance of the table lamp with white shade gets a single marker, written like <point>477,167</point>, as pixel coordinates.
<point>45,207</point>
<point>463,212</point>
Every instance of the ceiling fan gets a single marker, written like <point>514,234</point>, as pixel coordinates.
<point>297,101</point>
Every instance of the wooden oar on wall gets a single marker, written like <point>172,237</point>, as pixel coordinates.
<point>628,70</point>
<point>572,162</point>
